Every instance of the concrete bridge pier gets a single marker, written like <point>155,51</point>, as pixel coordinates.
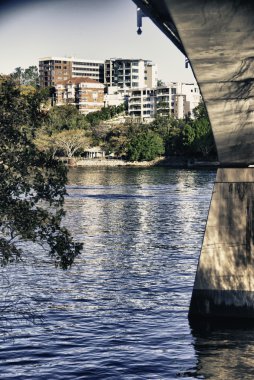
<point>224,283</point>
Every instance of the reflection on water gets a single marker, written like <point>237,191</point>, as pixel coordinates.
<point>121,311</point>
<point>224,350</point>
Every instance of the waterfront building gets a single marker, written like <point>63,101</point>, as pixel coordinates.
<point>165,99</point>
<point>176,99</point>
<point>131,73</point>
<point>55,69</point>
<point>85,93</point>
<point>187,98</point>
<point>142,104</point>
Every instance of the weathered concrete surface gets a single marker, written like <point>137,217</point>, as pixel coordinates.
<point>224,284</point>
<point>217,36</point>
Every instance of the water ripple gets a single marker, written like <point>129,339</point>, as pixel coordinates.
<point>121,311</point>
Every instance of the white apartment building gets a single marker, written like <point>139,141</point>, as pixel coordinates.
<point>56,69</point>
<point>188,97</point>
<point>131,73</point>
<point>165,99</point>
<point>177,99</point>
<point>142,103</point>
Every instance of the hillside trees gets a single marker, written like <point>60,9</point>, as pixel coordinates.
<point>32,183</point>
<point>70,142</point>
<point>144,145</point>
<point>106,113</point>
<point>65,117</point>
<point>28,76</point>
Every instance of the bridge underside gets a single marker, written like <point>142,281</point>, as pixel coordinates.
<point>217,36</point>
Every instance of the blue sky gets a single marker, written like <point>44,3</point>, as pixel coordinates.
<point>92,29</point>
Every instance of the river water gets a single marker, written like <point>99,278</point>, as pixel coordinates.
<point>121,311</point>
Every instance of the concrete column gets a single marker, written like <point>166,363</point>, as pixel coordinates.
<point>224,284</point>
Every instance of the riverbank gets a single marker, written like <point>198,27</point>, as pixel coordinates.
<point>173,162</point>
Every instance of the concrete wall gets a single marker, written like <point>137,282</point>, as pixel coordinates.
<point>224,284</point>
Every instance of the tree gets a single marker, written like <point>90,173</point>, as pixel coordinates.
<point>45,142</point>
<point>200,112</point>
<point>28,76</point>
<point>70,141</point>
<point>162,124</point>
<point>32,183</point>
<point>204,142</point>
<point>106,113</point>
<point>188,137</point>
<point>145,145</point>
<point>160,83</point>
<point>65,117</point>
<point>117,139</point>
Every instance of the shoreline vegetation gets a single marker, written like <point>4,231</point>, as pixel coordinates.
<point>111,138</point>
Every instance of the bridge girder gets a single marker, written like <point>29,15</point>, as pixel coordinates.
<point>217,37</point>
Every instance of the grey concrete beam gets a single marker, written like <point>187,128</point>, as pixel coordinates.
<point>217,36</point>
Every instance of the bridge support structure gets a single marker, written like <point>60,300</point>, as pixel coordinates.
<point>224,284</point>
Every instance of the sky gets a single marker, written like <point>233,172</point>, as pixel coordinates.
<point>89,29</point>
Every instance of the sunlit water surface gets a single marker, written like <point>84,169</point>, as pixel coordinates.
<point>121,311</point>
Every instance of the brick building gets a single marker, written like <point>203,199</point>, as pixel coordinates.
<point>85,93</point>
<point>55,69</point>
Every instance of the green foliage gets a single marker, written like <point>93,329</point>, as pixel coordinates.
<point>70,142</point>
<point>144,145</point>
<point>64,117</point>
<point>117,139</point>
<point>160,83</point>
<point>200,112</point>
<point>173,141</point>
<point>28,76</point>
<point>188,136</point>
<point>203,142</point>
<point>106,113</point>
<point>32,184</point>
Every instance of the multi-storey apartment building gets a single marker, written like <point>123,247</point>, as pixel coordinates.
<point>177,99</point>
<point>131,73</point>
<point>142,103</point>
<point>55,69</point>
<point>165,99</point>
<point>188,97</point>
<point>85,93</point>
